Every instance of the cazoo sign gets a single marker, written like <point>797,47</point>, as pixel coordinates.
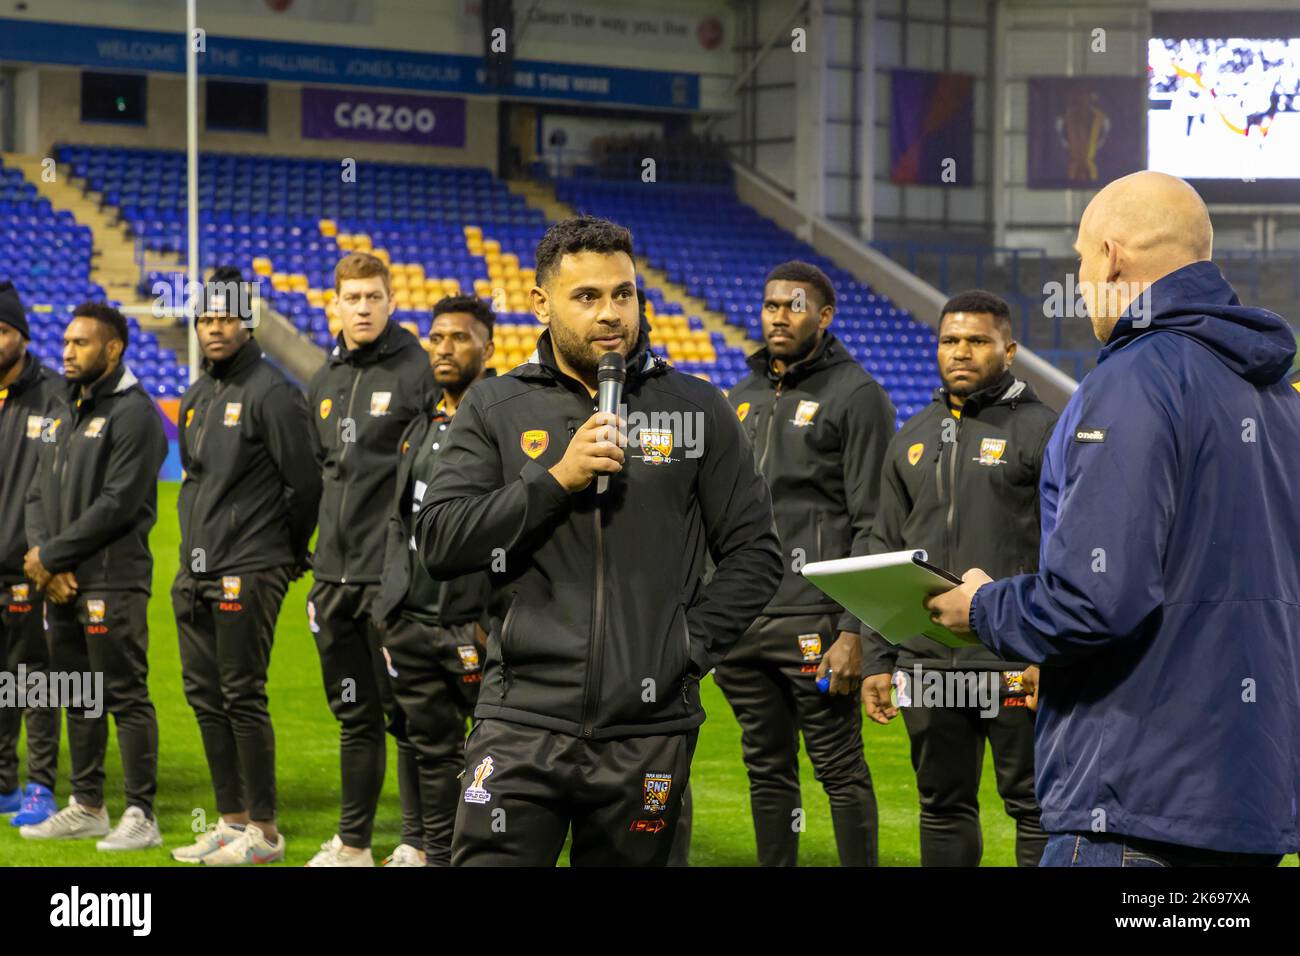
<point>383,117</point>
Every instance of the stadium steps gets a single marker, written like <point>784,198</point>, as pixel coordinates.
<point>113,263</point>
<point>541,196</point>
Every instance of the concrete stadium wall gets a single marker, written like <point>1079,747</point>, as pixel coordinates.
<point>57,119</point>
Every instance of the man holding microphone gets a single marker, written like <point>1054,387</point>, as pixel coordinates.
<point>589,708</point>
<point>1166,609</point>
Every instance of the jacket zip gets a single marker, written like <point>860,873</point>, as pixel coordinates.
<point>505,666</point>
<point>591,697</point>
<point>198,446</point>
<point>771,423</point>
<point>686,635</point>
<point>343,497</point>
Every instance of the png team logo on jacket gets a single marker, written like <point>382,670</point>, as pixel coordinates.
<point>656,446</point>
<point>534,442</point>
<point>189,417</point>
<point>96,428</point>
<point>657,786</point>
<point>326,405</point>
<point>34,425</point>
<point>742,410</point>
<point>231,418</point>
<point>991,450</point>
<point>379,402</point>
<point>915,452</point>
<point>804,412</point>
<point>95,611</point>
<point>475,793</point>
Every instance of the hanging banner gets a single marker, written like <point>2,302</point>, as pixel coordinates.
<point>932,128</point>
<point>1082,130</point>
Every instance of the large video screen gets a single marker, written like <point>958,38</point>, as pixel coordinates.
<point>1224,108</point>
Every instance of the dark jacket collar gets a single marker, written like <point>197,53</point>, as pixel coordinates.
<point>33,371</point>
<point>829,351</point>
<point>119,380</point>
<point>642,363</point>
<point>1006,390</point>
<point>249,354</point>
<point>436,409</point>
<point>393,339</point>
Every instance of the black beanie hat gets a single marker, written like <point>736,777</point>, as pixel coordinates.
<point>11,309</point>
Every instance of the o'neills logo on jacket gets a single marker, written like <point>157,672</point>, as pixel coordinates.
<point>1090,434</point>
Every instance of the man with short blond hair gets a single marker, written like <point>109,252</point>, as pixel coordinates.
<point>376,379</point>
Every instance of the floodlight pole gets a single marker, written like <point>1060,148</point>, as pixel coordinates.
<point>192,177</point>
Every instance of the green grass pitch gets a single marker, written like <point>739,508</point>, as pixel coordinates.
<point>307,758</point>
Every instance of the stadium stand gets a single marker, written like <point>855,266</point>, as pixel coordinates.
<point>54,281</point>
<point>444,230</point>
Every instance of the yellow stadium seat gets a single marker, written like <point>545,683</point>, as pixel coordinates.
<point>262,266</point>
<point>328,227</point>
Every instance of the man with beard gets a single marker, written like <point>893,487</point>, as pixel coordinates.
<point>30,400</point>
<point>375,381</point>
<point>247,509</point>
<point>589,707</point>
<point>819,425</point>
<point>432,629</point>
<point>89,511</point>
<point>961,483</point>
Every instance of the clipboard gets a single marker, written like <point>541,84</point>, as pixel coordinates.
<point>885,592</point>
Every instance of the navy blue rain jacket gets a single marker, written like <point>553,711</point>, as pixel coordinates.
<point>1166,609</point>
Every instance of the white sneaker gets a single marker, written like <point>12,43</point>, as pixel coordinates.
<point>251,846</point>
<point>210,841</point>
<point>73,822</point>
<point>404,855</point>
<point>134,831</point>
<point>331,854</point>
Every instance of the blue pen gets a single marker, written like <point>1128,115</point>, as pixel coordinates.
<point>824,683</point>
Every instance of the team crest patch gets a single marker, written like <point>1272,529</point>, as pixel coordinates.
<point>804,412</point>
<point>96,428</point>
<point>991,450</point>
<point>20,592</point>
<point>656,445</point>
<point>34,423</point>
<point>379,402</point>
<point>915,452</point>
<point>95,611</point>
<point>534,442</point>
<point>231,418</point>
<point>325,406</point>
<point>230,587</point>
<point>468,656</point>
<point>475,793</point>
<point>189,417</point>
<point>657,787</point>
<point>742,410</point>
<point>810,646</point>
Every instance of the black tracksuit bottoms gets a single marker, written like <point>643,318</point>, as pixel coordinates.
<point>226,626</point>
<point>435,676</point>
<point>948,755</point>
<point>770,681</point>
<point>22,644</point>
<point>360,695</point>
<point>525,787</point>
<point>107,632</point>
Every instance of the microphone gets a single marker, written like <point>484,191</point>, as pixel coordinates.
<point>610,376</point>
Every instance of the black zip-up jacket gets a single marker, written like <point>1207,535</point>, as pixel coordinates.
<point>609,625</point>
<point>407,588</point>
<point>966,491</point>
<point>819,433</point>
<point>95,493</point>
<point>30,405</point>
<point>361,401</point>
<point>252,487</point>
